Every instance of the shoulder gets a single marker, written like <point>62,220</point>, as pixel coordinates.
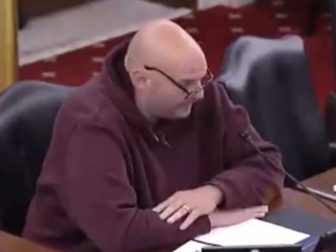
<point>90,106</point>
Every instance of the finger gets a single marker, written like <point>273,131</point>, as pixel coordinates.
<point>253,211</point>
<point>260,215</point>
<point>159,208</point>
<point>256,212</point>
<point>178,215</point>
<point>190,219</point>
<point>260,209</point>
<point>169,210</point>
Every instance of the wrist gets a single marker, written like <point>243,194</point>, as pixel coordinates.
<point>216,193</point>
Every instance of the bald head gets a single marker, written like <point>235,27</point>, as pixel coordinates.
<point>174,58</point>
<point>167,46</point>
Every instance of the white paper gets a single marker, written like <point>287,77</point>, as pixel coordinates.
<point>190,246</point>
<point>252,232</point>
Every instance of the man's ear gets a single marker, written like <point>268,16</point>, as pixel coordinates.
<point>139,79</point>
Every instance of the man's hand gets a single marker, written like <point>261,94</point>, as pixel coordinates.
<point>231,217</point>
<point>194,203</point>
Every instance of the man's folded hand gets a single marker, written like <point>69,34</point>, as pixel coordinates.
<point>231,217</point>
<point>190,204</point>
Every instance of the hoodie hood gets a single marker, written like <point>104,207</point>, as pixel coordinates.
<point>119,87</point>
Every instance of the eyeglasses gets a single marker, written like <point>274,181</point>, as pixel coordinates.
<point>204,82</point>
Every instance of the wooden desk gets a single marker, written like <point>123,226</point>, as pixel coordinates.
<point>11,243</point>
<point>293,198</point>
<point>302,201</point>
<point>324,182</point>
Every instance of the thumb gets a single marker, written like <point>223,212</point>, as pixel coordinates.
<point>232,217</point>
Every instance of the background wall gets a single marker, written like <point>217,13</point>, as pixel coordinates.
<point>204,4</point>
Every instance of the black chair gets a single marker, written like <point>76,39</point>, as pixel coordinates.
<point>270,77</point>
<point>27,114</point>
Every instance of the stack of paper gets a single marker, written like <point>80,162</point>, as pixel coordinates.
<point>252,232</point>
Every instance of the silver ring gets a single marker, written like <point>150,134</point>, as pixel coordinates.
<point>185,207</point>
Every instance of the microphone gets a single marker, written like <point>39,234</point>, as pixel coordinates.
<point>327,240</point>
<point>312,192</point>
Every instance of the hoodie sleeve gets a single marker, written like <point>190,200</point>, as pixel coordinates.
<point>248,179</point>
<point>99,198</point>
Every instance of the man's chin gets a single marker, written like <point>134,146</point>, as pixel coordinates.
<point>184,112</point>
<point>181,113</point>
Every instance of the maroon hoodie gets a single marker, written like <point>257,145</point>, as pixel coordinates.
<point>106,168</point>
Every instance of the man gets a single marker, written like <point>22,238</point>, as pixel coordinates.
<point>140,161</point>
